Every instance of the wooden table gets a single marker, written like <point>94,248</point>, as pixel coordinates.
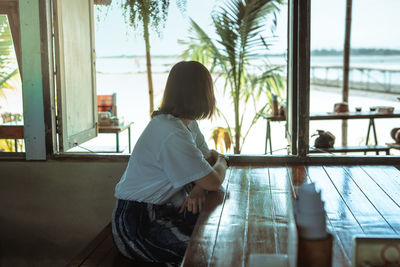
<point>16,131</point>
<point>252,214</point>
<point>370,115</point>
<point>12,130</point>
<point>117,129</point>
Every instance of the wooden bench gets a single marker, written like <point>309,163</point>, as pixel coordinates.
<point>341,149</point>
<point>101,251</point>
<point>393,145</point>
<point>370,115</point>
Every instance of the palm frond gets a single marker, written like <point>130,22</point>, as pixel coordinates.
<point>207,42</point>
<point>240,26</point>
<point>8,60</point>
<point>6,78</point>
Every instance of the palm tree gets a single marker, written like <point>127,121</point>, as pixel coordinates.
<point>239,25</point>
<point>148,14</point>
<point>8,67</point>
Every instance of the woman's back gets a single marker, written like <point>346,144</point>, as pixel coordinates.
<point>154,174</point>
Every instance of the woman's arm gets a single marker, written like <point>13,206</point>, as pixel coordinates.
<point>195,201</point>
<point>214,179</point>
<point>213,157</point>
<point>211,182</point>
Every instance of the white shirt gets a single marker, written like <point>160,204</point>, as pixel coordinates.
<point>167,156</point>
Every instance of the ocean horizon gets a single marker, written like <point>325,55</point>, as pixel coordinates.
<point>127,77</point>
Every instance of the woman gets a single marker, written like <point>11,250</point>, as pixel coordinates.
<point>169,172</point>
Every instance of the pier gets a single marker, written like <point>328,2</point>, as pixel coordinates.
<point>361,78</point>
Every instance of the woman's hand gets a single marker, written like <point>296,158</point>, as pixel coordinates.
<point>195,201</point>
<point>223,159</point>
<point>212,159</point>
<point>214,154</point>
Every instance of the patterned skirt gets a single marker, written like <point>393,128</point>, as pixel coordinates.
<point>147,232</point>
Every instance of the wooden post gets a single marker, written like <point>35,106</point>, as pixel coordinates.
<point>298,77</point>
<point>45,12</point>
<point>291,117</point>
<point>32,85</point>
<point>346,63</point>
<point>303,82</point>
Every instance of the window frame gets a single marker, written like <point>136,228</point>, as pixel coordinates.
<point>299,84</point>
<point>67,84</point>
<point>298,81</point>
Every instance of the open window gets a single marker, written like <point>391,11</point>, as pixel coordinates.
<point>75,72</point>
<point>354,78</point>
<point>76,87</point>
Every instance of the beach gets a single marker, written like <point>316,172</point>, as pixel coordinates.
<point>126,77</point>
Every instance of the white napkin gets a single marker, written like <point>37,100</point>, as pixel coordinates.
<point>310,213</point>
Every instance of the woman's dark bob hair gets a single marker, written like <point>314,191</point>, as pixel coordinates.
<point>189,92</point>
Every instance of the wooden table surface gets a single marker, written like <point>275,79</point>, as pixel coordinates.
<point>11,131</point>
<point>115,128</point>
<point>339,115</point>
<point>253,213</point>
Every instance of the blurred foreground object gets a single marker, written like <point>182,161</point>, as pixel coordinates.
<point>315,243</point>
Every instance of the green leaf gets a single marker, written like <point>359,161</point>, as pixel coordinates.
<point>239,26</point>
<point>8,60</point>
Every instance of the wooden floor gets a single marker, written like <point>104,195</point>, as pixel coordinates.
<point>253,214</point>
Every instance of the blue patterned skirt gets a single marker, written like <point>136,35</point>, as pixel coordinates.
<point>147,232</point>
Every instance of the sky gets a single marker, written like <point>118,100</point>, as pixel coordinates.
<point>375,24</point>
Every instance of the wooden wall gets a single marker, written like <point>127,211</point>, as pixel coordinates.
<point>50,210</point>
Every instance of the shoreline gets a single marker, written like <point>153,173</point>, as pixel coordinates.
<point>132,101</point>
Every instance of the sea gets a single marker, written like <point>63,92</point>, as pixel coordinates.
<point>137,64</point>
<point>126,76</point>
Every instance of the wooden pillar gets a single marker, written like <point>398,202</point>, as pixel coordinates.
<point>291,134</point>
<point>45,14</point>
<point>32,86</point>
<point>346,64</point>
<point>303,70</point>
<point>299,76</point>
